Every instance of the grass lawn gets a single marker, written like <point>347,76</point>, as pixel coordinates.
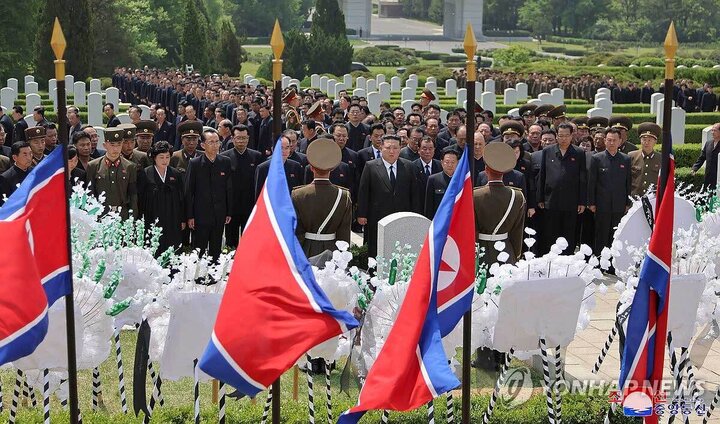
<point>179,399</point>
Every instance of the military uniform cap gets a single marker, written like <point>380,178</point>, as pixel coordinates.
<point>499,157</point>
<point>428,94</point>
<point>557,112</point>
<point>190,128</point>
<point>650,129</point>
<point>527,109</point>
<point>146,127</point>
<point>129,131</point>
<point>512,127</point>
<point>324,154</point>
<point>290,96</point>
<point>34,132</point>
<point>114,135</point>
<point>315,110</point>
<point>597,122</point>
<point>622,122</point>
<point>581,122</point>
<point>543,110</point>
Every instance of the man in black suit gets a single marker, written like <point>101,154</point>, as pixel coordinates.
<point>109,110</point>
<point>244,162</point>
<point>373,151</point>
<point>341,175</point>
<point>357,131</point>
<point>20,124</point>
<point>264,143</point>
<point>294,151</point>
<point>609,189</point>
<point>387,185</point>
<point>209,195</point>
<point>293,170</point>
<point>437,183</point>
<point>411,151</point>
<point>340,134</point>
<point>425,165</point>
<point>22,159</point>
<point>7,124</point>
<point>166,130</point>
<point>709,153</point>
<point>562,188</point>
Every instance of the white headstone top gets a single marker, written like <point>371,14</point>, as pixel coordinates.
<point>558,95</point>
<point>385,91</point>
<point>112,95</point>
<point>361,82</point>
<point>408,93</point>
<point>489,85</point>
<point>371,85</point>
<point>7,97</point>
<point>69,81</point>
<point>359,92</point>
<point>510,96</point>
<point>79,93</point>
<point>450,87</point>
<point>522,90</point>
<point>145,112</point>
<point>315,81</point>
<point>13,83</point>
<point>407,105</point>
<point>31,87</point>
<point>487,101</point>
<point>347,80</point>
<point>32,100</point>
<point>380,78</point>
<point>401,227</point>
<point>412,83</point>
<point>461,96</point>
<point>95,85</point>
<point>654,99</point>
<point>395,83</point>
<point>373,101</point>
<point>95,112</point>
<point>323,83</point>
<point>545,98</point>
<point>28,78</point>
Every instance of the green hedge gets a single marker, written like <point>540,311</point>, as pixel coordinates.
<point>430,55</point>
<point>575,52</point>
<point>453,58</point>
<point>425,71</point>
<point>686,176</point>
<point>685,154</point>
<point>512,33</point>
<point>708,118</point>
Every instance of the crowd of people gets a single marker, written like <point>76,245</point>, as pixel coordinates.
<point>197,166</point>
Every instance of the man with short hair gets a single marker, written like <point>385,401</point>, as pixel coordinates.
<point>166,130</point>
<point>209,196</point>
<point>73,116</point>
<point>450,131</point>
<point>293,170</point>
<point>13,176</point>
<point>51,138</point>
<point>109,110</point>
<point>425,166</point>
<point>35,137</point>
<point>432,128</point>
<point>189,133</point>
<point>534,135</point>
<point>224,128</point>
<point>115,176</point>
<point>20,124</point>
<point>39,116</point>
<point>357,131</point>
<point>411,151</point>
<point>645,162</point>
<point>387,185</point>
<point>294,153</point>
<point>437,183</point>
<point>264,142</point>
<point>96,152</point>
<point>81,141</point>
<point>135,114</point>
<point>709,153</point>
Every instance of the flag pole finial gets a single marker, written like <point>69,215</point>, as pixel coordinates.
<point>277,43</point>
<point>58,44</point>
<point>671,45</point>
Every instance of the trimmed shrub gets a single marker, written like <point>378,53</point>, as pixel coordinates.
<point>431,55</point>
<point>453,65</point>
<point>686,176</point>
<point>575,52</point>
<point>453,58</point>
<point>685,154</point>
<point>553,49</point>
<point>424,71</point>
<point>373,56</point>
<point>708,118</point>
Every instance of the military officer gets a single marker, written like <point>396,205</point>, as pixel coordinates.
<point>609,186</point>
<point>645,162</point>
<point>541,112</point>
<point>624,124</point>
<point>597,123</point>
<point>35,136</point>
<point>526,112</point>
<point>115,176</point>
<point>128,150</point>
<point>426,97</point>
<point>324,210</point>
<point>189,132</point>
<point>557,114</point>
<point>144,136</point>
<point>499,210</point>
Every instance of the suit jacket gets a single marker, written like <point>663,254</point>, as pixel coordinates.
<point>117,182</point>
<point>19,131</point>
<point>434,191</point>
<point>562,180</point>
<point>9,181</point>
<point>113,122</point>
<point>340,176</point>
<point>299,158</point>
<point>364,156</point>
<point>243,178</point>
<point>419,171</point>
<point>313,203</point>
<point>264,141</point>
<point>5,162</point>
<point>165,132</point>
<point>708,154</point>
<point>408,154</point>
<point>512,178</point>
<point>208,190</point>
<point>293,171</point>
<point>609,182</point>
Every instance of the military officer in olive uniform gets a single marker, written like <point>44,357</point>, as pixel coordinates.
<point>128,149</point>
<point>624,124</point>
<point>645,162</point>
<point>190,136</point>
<point>144,134</point>
<point>324,210</point>
<point>499,210</point>
<point>115,176</point>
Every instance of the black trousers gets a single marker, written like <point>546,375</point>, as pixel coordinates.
<point>605,223</point>
<point>234,229</point>
<point>560,224</point>
<point>208,237</point>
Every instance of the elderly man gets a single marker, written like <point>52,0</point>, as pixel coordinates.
<point>709,154</point>
<point>14,175</point>
<point>437,184</point>
<point>645,162</point>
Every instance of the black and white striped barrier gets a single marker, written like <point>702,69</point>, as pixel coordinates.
<point>268,403</point>
<point>196,390</point>
<point>328,392</point>
<point>450,408</point>
<point>221,403</point>
<point>311,395</point>
<point>606,348</point>
<point>16,397</point>
<point>546,379</point>
<point>46,396</point>
<point>431,412</point>
<point>498,384</point>
<point>121,372</point>
<point>558,377</point>
<point>96,389</point>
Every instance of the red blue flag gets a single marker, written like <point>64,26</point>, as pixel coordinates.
<point>23,304</point>
<point>273,311</point>
<point>456,278</point>
<point>412,368</point>
<point>643,357</point>
<point>41,198</point>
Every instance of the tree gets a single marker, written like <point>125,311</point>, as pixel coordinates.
<point>296,54</point>
<point>436,11</point>
<point>18,45</point>
<point>230,53</point>
<point>194,39</point>
<point>533,15</point>
<point>329,18</point>
<point>255,18</point>
<point>328,39</point>
<point>75,19</point>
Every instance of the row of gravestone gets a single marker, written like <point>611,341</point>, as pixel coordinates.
<point>78,90</point>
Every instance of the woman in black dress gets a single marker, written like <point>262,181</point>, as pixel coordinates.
<point>160,194</point>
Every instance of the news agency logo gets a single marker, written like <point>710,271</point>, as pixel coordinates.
<point>518,387</point>
<point>640,404</point>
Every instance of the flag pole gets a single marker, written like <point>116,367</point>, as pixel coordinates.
<point>470,46</point>
<point>670,46</point>
<point>58,44</point>
<point>277,43</point>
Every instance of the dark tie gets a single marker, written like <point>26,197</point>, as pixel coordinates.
<point>392,176</point>
<point>377,154</point>
<point>427,170</point>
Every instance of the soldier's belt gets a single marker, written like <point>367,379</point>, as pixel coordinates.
<point>492,237</point>
<point>320,237</point>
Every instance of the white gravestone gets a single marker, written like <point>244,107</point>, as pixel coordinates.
<point>95,112</point>
<point>95,85</point>
<point>535,102</point>
<point>385,91</point>
<point>403,227</point>
<point>53,97</point>
<point>654,99</point>
<point>31,101</point>
<point>330,87</point>
<point>395,83</point>
<point>371,85</point>
<point>101,134</point>
<point>487,101</point>
<point>285,82</point>
<point>28,78</point>
<point>324,83</point>
<point>315,81</point>
<point>443,115</point>
<point>706,134</point>
<point>29,120</point>
<point>545,98</point>
<point>247,78</point>
<point>461,96</point>
<point>79,93</point>
<point>407,105</point>
<point>361,83</point>
<point>112,95</point>
<point>510,97</point>
<point>144,112</point>
<point>432,86</point>
<point>295,82</point>
<point>522,90</point>
<point>408,93</point>
<point>677,128</point>
<point>604,90</point>
<point>660,111</point>
<point>347,80</point>
<point>478,91</point>
<point>431,79</point>
<point>489,85</point>
<point>380,78</point>
<point>450,87</point>
<point>413,76</point>
<point>254,83</point>
<point>596,111</point>
<point>13,83</point>
<point>411,83</point>
<point>338,88</point>
<point>52,85</point>
<point>7,97</point>
<point>124,118</point>
<point>604,104</point>
<point>359,92</point>
<point>31,87</point>
<point>373,101</point>
<point>69,81</point>
<point>558,95</point>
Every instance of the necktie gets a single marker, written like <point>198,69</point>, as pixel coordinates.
<point>392,177</point>
<point>427,170</point>
<point>377,154</point>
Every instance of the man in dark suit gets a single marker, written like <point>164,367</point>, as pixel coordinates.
<point>357,131</point>
<point>264,143</point>
<point>7,124</point>
<point>244,162</point>
<point>109,110</point>
<point>387,185</point>
<point>425,166</point>
<point>294,148</point>
<point>340,134</point>
<point>293,170</point>
<point>562,187</point>
<point>22,159</point>
<point>709,153</point>
<point>609,187</point>
<point>373,151</point>
<point>20,124</point>
<point>437,183</point>
<point>165,130</point>
<point>209,195</point>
